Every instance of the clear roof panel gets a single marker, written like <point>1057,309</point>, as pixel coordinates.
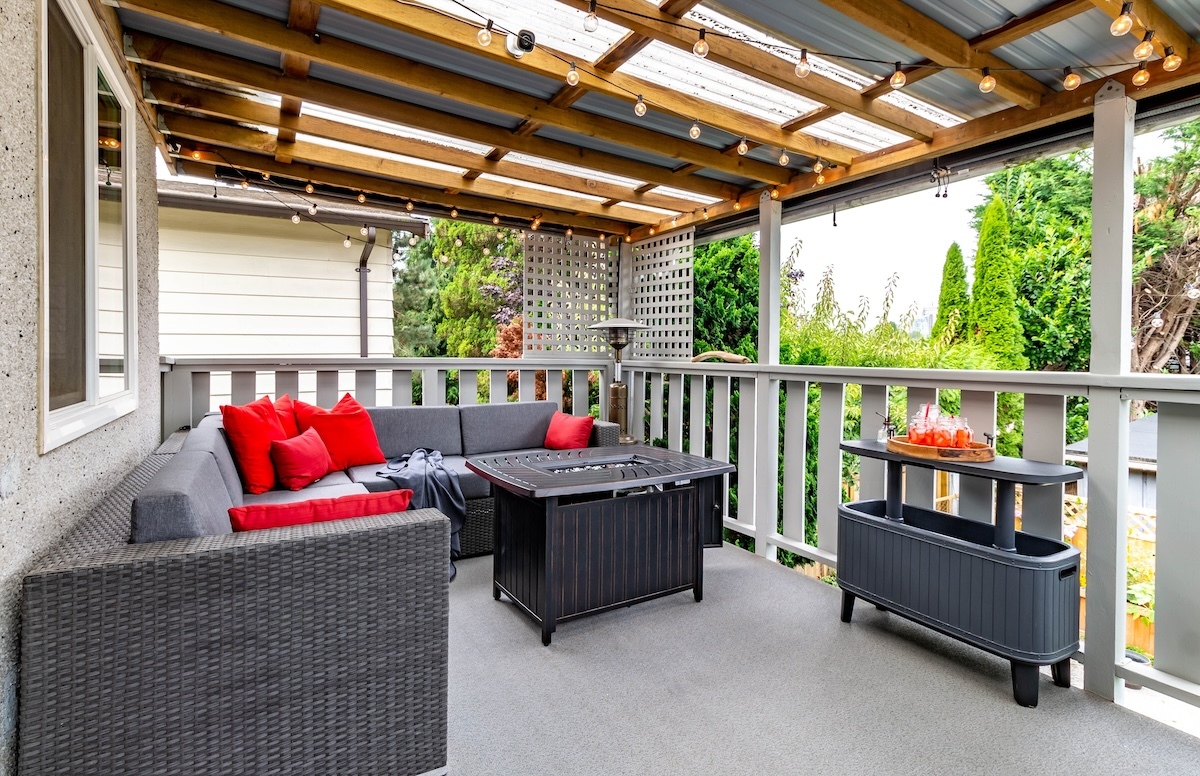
<point>570,169</point>
<point>540,187</point>
<point>366,122</point>
<point>324,141</point>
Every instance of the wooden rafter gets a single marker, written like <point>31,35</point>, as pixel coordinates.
<point>217,104</point>
<point>1148,16</point>
<point>230,136</point>
<point>268,33</point>
<point>912,29</point>
<point>764,66</point>
<point>302,17</point>
<point>194,62</point>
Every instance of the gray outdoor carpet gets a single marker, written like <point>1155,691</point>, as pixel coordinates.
<point>759,678</point>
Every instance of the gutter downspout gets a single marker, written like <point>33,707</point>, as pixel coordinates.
<point>362,269</point>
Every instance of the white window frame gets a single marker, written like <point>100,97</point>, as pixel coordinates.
<point>60,426</point>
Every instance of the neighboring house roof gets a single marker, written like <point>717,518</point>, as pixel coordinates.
<point>1143,442</point>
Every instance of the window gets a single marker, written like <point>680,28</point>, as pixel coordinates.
<point>88,360</point>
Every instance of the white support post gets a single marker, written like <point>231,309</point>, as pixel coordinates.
<point>770,221</point>
<point>1108,410</point>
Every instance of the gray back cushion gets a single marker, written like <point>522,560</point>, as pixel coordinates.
<point>185,499</point>
<point>487,428</point>
<point>209,435</point>
<point>403,429</point>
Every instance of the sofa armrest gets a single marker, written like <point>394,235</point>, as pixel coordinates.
<point>279,650</point>
<point>604,434</point>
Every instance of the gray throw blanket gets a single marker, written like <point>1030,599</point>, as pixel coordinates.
<point>433,486</point>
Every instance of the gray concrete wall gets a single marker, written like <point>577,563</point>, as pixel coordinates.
<point>42,496</point>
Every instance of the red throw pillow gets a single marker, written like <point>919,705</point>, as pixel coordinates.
<point>349,437</point>
<point>287,415</point>
<point>304,412</point>
<point>251,429</point>
<point>301,460</point>
<point>568,432</point>
<point>254,516</point>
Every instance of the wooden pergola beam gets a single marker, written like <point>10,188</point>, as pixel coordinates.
<point>913,29</point>
<point>193,62</point>
<point>230,136</point>
<point>262,31</point>
<point>1148,16</point>
<point>764,66</point>
<point>302,17</point>
<point>181,97</point>
<point>1034,21</point>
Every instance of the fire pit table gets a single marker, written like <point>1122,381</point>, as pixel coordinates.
<point>578,532</point>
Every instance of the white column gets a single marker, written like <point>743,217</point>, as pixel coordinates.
<point>766,422</point>
<point>770,221</point>
<point>1108,414</point>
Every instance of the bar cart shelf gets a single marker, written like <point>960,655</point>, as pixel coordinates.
<point>1008,592</point>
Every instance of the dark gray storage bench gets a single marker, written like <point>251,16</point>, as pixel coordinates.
<point>1011,593</point>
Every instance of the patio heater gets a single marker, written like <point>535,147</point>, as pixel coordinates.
<point>619,333</point>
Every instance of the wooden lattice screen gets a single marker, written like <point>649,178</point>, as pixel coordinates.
<point>662,295</point>
<point>570,283</point>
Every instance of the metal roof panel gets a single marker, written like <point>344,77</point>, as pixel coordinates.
<point>131,20</point>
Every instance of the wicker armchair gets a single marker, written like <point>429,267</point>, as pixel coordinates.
<point>320,648</point>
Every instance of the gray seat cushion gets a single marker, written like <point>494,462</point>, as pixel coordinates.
<point>403,429</point>
<point>512,426</point>
<point>473,486</point>
<point>186,499</point>
<point>307,494</point>
<point>209,435</point>
<point>333,478</point>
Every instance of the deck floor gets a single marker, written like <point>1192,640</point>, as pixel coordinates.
<point>762,677</point>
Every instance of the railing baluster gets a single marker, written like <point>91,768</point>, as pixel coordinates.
<point>241,387</point>
<point>919,482</point>
<point>176,401</point>
<point>402,387</point>
<point>637,405</point>
<point>656,406</point>
<point>468,387</point>
<point>829,464</point>
<point>1045,435</point>
<point>746,453</point>
<point>433,387</point>
<point>364,386</point>
<point>675,412</point>
<point>874,404</point>
<point>497,386</point>
<point>526,382</point>
<point>327,388</point>
<point>696,425</point>
<point>554,386</point>
<point>795,447</point>
<point>287,381</point>
<point>580,402</point>
<point>201,395</point>
<point>766,465</point>
<point>976,498</point>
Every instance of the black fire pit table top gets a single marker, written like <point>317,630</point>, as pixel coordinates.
<point>551,473</point>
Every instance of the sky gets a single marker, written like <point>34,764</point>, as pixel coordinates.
<point>907,236</point>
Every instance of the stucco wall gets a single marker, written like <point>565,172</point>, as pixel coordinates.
<point>41,497</point>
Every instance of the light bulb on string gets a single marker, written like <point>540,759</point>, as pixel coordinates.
<point>821,178</point>
<point>737,205</point>
<point>987,84</point>
<point>591,22</point>
<point>784,159</point>
<point>363,230</point>
<point>570,232</point>
<point>898,78</point>
<point>705,214</point>
<point>817,166</point>
<point>295,218</point>
<point>1191,292</point>
<point>312,210</point>
<point>245,184</point>
<point>454,212</point>
<point>1171,61</point>
<point>1145,49</point>
<point>408,205</point>
<point>457,242</point>
<point>694,132</point>
<point>1156,322</point>
<point>1124,22</point>
<point>487,251</point>
<point>573,76</point>
<point>346,243</point>
<point>1071,79</point>
<point>495,220</point>
<point>412,240</point>
<point>308,188</point>
<point>774,193</point>
<point>701,47</point>
<point>803,68</point>
<point>361,198</point>
<point>639,107</point>
<point>266,176</point>
<point>484,36</point>
<point>743,147</point>
<point>195,154</point>
<point>1142,76</point>
<point>628,238</point>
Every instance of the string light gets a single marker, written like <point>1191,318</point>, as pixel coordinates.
<point>195,154</point>
<point>1142,76</point>
<point>817,166</point>
<point>570,232</point>
<point>774,193</point>
<point>1156,322</point>
<point>694,132</point>
<point>361,198</point>
<point>484,36</point>
<point>412,240</point>
<point>1191,292</point>
<point>408,206</point>
<point>308,188</point>
<point>898,78</point>
<point>1145,49</point>
<point>346,243</point>
<point>495,220</point>
<point>591,22</point>
<point>312,210</point>
<point>628,238</point>
<point>295,218</point>
<point>701,47</point>
<point>737,205</point>
<point>1071,79</point>
<point>820,178</point>
<point>245,185</point>
<point>454,212</point>
<point>266,176</point>
<point>639,107</point>
<point>988,83</point>
<point>363,230</point>
<point>1171,61</point>
<point>487,251</point>
<point>803,68</point>
<point>743,147</point>
<point>457,242</point>
<point>784,159</point>
<point>1124,22</point>
<point>705,214</point>
<point>573,76</point>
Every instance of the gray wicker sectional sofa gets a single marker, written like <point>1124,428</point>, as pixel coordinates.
<point>311,649</point>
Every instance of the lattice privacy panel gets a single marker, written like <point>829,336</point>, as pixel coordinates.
<point>662,295</point>
<point>570,283</point>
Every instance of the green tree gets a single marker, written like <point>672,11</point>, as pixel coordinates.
<point>417,313</point>
<point>994,322</point>
<point>725,302</point>
<point>482,290</point>
<point>953,301</point>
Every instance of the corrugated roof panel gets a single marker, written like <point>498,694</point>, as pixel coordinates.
<point>584,141</point>
<point>276,9</point>
<point>352,28</point>
<point>1185,13</point>
<point>1078,42</point>
<point>330,143</point>
<point>969,20</point>
<point>656,120</point>
<point>378,125</point>
<point>221,44</point>
<point>957,90</point>
<point>386,89</point>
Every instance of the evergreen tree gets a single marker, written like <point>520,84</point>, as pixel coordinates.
<point>994,321</point>
<point>725,301</point>
<point>483,288</point>
<point>953,301</point>
<point>415,280</point>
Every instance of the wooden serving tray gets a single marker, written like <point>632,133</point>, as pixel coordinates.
<point>978,452</point>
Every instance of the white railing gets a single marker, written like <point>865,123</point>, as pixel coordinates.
<point>193,386</point>
<point>694,407</point>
